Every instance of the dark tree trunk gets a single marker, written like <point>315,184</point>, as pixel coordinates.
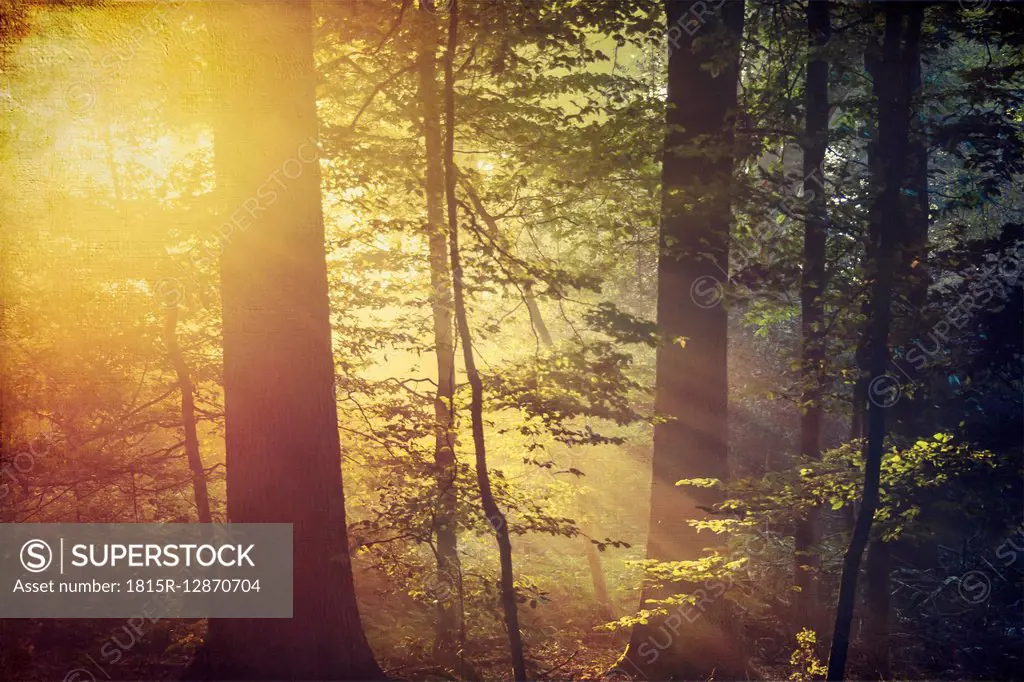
<point>490,507</point>
<point>692,642</point>
<point>909,415</point>
<point>877,567</point>
<point>913,279</point>
<point>812,306</point>
<point>448,591</point>
<point>283,450</point>
<point>892,86</point>
<point>188,418</point>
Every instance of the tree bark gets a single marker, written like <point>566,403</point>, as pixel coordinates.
<point>812,307</point>
<point>282,442</point>
<point>449,603</point>
<point>490,507</point>
<point>892,86</point>
<point>188,418</point>
<point>908,414</point>
<point>877,589</point>
<point>692,381</point>
<point>913,280</point>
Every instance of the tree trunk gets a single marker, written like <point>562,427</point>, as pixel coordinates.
<point>877,567</point>
<point>892,86</point>
<point>540,328</point>
<point>283,450</point>
<point>812,307</point>
<point>913,280</point>
<point>188,418</point>
<point>593,555</point>
<point>536,319</point>
<point>908,414</point>
<point>692,383</point>
<point>597,580</point>
<point>449,603</point>
<point>490,507</point>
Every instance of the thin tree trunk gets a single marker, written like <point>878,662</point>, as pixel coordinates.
<point>540,328</point>
<point>597,580</point>
<point>188,417</point>
<point>536,319</point>
<point>892,87</point>
<point>281,437</point>
<point>449,603</point>
<point>858,423</point>
<point>860,397</point>
<point>490,507</point>
<point>692,378</point>
<point>812,306</point>
<point>135,496</point>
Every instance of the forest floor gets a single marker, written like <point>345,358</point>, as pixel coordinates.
<point>108,650</point>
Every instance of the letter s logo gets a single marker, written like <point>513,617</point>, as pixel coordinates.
<point>36,556</point>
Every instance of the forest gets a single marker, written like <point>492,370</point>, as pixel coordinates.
<point>574,339</point>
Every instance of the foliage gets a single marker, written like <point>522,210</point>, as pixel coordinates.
<point>111,215</point>
<point>806,666</point>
